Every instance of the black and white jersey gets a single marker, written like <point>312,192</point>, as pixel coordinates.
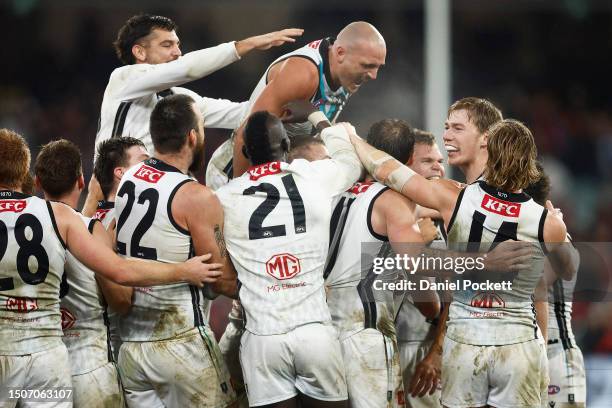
<point>147,230</point>
<point>329,101</point>
<point>560,295</point>
<point>482,217</point>
<point>32,257</point>
<point>84,319</point>
<point>105,213</point>
<point>276,229</point>
<point>353,302</point>
<point>133,91</point>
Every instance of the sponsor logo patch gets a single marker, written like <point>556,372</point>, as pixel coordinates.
<point>267,169</point>
<point>68,319</point>
<point>315,44</point>
<point>15,206</point>
<point>21,305</point>
<point>100,214</point>
<point>359,188</point>
<point>148,174</point>
<point>487,300</point>
<point>501,207</point>
<point>553,389</point>
<point>283,266</point>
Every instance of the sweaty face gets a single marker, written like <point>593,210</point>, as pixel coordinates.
<point>462,140</point>
<point>136,154</point>
<point>427,161</point>
<point>359,64</point>
<point>160,46</point>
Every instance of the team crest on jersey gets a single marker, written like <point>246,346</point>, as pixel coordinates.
<point>148,174</point>
<point>15,206</point>
<point>359,188</point>
<point>267,169</point>
<point>283,266</point>
<point>21,305</point>
<point>501,207</point>
<point>68,319</point>
<point>100,214</point>
<point>487,300</point>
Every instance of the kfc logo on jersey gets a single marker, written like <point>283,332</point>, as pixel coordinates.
<point>15,206</point>
<point>267,169</point>
<point>501,207</point>
<point>100,214</point>
<point>21,305</point>
<point>487,300</point>
<point>315,44</point>
<point>553,389</point>
<point>148,174</point>
<point>68,319</point>
<point>283,266</point>
<point>359,188</point>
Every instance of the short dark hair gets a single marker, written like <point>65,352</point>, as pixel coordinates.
<point>171,121</point>
<point>134,29</point>
<point>423,137</point>
<point>112,153</point>
<point>393,136</point>
<point>257,138</point>
<point>540,190</point>
<point>58,167</point>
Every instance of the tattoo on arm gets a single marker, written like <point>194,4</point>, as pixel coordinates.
<point>220,241</point>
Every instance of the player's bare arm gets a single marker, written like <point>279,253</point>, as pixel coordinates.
<point>118,297</point>
<point>129,272</point>
<point>294,78</point>
<point>197,209</point>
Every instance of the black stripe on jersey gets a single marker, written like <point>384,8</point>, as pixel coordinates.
<point>541,230</point>
<point>198,318</point>
<point>364,289</point>
<point>476,228</point>
<point>164,93</point>
<point>120,117</point>
<point>91,225</point>
<point>9,194</point>
<point>106,205</point>
<point>560,314</point>
<point>229,169</point>
<point>455,210</point>
<point>64,287</point>
<point>169,208</point>
<point>324,51</point>
<point>440,225</point>
<point>369,217</point>
<point>109,346</point>
<point>338,220</point>
<point>55,225</point>
<point>161,165</point>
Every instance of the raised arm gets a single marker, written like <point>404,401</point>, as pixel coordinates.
<point>294,78</point>
<point>129,272</point>
<point>143,79</point>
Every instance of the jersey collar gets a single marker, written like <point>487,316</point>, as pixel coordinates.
<point>513,197</point>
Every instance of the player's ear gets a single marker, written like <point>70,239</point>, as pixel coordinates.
<point>37,183</point>
<point>118,172</point>
<point>139,52</point>
<point>340,52</point>
<point>192,138</point>
<point>484,140</point>
<point>81,182</point>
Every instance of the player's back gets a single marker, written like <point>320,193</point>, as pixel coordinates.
<point>146,229</point>
<point>32,256</point>
<point>277,231</point>
<point>483,217</point>
<point>84,317</point>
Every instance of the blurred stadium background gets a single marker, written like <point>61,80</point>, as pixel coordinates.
<point>544,62</point>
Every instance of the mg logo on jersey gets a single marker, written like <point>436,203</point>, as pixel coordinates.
<point>283,266</point>
<point>21,305</point>
<point>359,188</point>
<point>487,300</point>
<point>68,319</point>
<point>264,170</point>
<point>501,207</point>
<point>15,206</point>
<point>148,174</point>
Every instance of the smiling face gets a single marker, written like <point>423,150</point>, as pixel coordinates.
<point>158,47</point>
<point>427,161</point>
<point>462,140</point>
<point>358,63</point>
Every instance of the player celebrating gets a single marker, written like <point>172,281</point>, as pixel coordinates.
<point>325,72</point>
<point>154,67</point>
<point>280,265</point>
<point>484,213</point>
<point>34,236</point>
<point>84,315</point>
<point>169,354</point>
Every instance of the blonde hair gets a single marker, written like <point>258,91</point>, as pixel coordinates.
<point>14,158</point>
<point>511,164</point>
<point>481,112</point>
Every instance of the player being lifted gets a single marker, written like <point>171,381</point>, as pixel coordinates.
<point>280,216</point>
<point>169,355</point>
<point>84,296</point>
<point>325,72</point>
<point>484,213</point>
<point>34,237</point>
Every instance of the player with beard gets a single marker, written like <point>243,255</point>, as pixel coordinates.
<point>485,344</point>
<point>169,355</point>
<point>325,72</point>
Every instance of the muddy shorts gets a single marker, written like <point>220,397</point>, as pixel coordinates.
<point>567,375</point>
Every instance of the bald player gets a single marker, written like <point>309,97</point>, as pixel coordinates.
<point>324,72</point>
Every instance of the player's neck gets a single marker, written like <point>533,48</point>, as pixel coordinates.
<point>180,161</point>
<point>71,199</point>
<point>474,169</point>
<point>10,188</point>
